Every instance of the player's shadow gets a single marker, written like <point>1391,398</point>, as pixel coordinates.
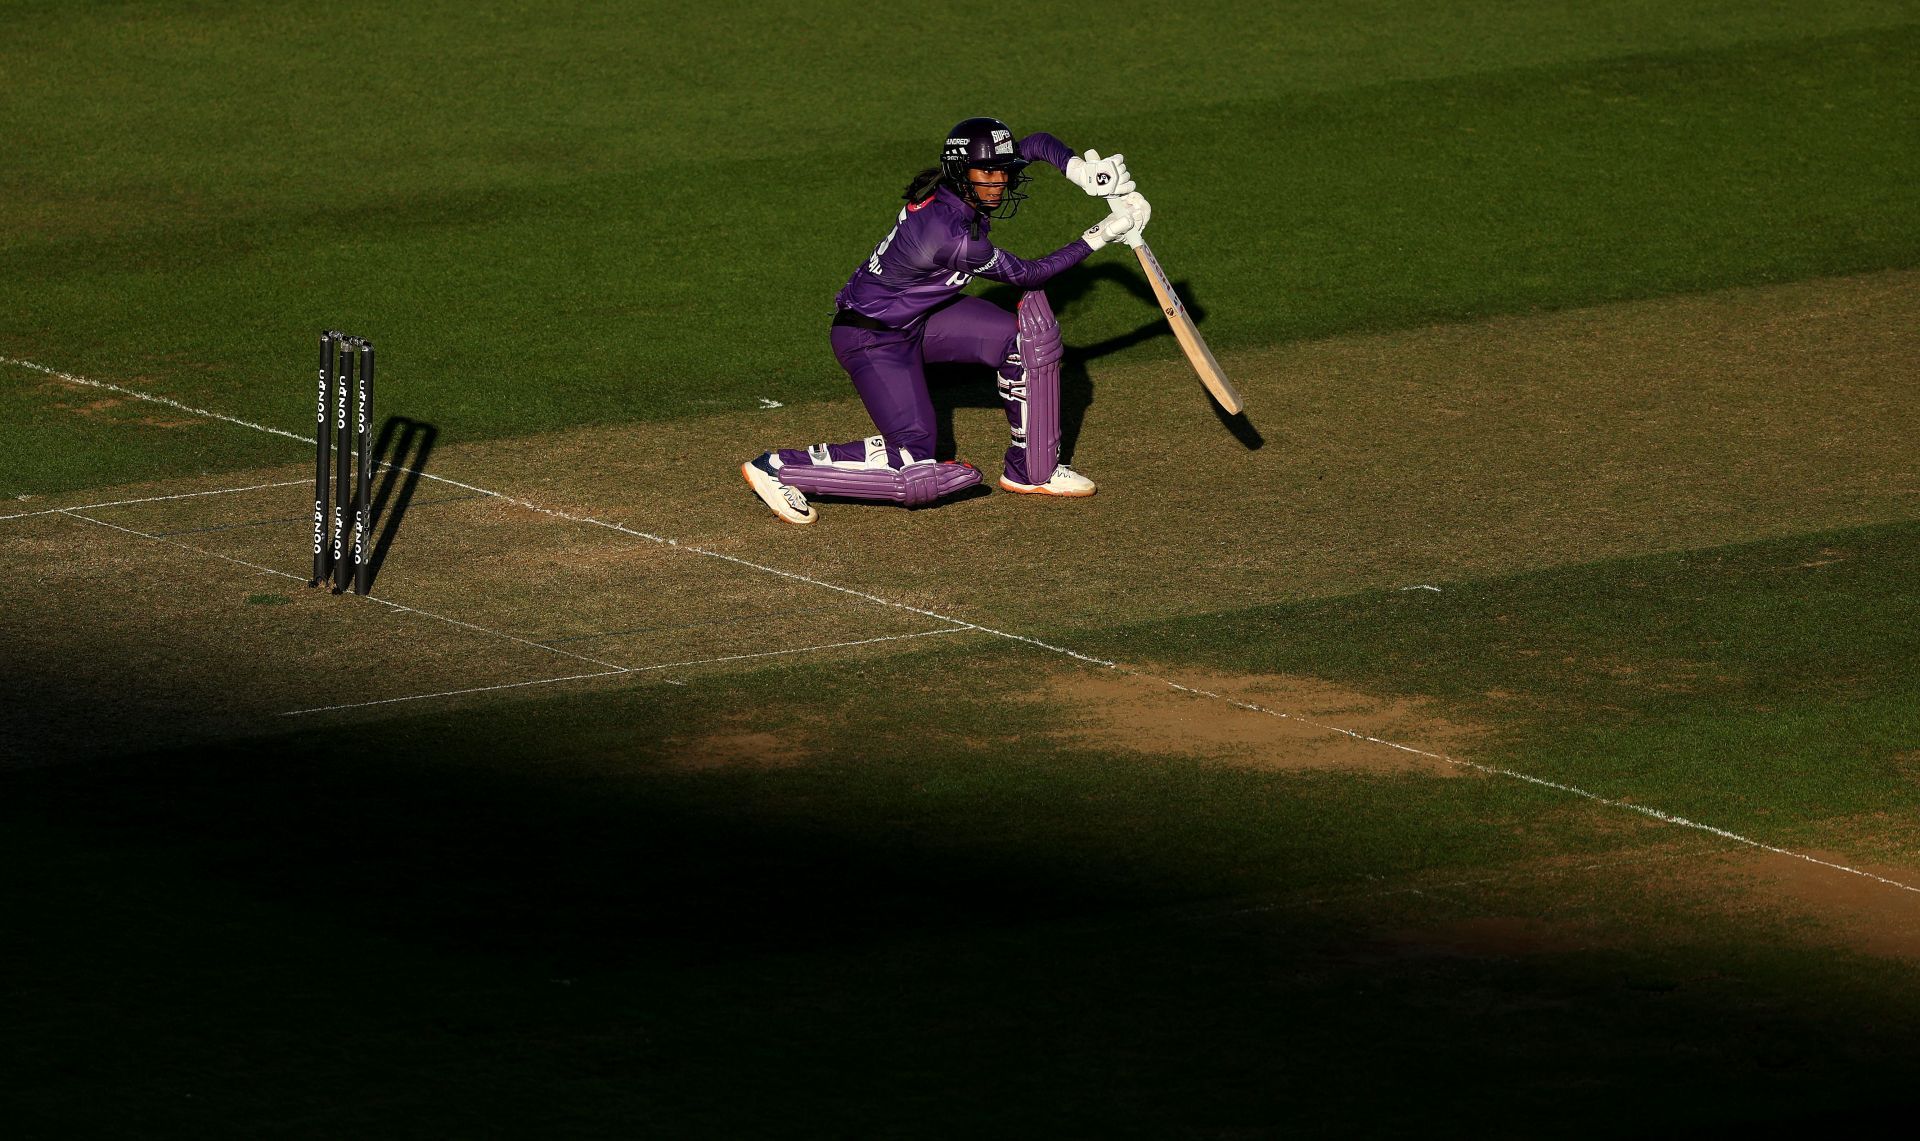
<point>401,452</point>
<point>971,386</point>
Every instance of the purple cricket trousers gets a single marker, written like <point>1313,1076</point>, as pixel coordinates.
<point>888,371</point>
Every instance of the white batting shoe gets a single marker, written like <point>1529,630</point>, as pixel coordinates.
<point>1064,482</point>
<point>787,502</point>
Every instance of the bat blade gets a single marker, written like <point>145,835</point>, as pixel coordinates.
<point>1191,342</point>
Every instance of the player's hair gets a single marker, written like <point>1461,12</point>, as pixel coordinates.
<point>923,184</point>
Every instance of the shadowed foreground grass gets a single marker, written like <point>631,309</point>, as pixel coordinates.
<point>531,918</point>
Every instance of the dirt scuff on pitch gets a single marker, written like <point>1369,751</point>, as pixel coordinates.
<point>1857,912</point>
<point>1386,460</point>
<point>1300,724</point>
<point>1482,937</point>
<point>732,749</point>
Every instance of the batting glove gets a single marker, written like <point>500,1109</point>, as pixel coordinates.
<point>1100,177</point>
<point>1110,229</point>
<point>1135,204</point>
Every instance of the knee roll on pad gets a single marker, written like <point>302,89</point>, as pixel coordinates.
<point>926,481</point>
<point>919,484</point>
<point>1039,337</point>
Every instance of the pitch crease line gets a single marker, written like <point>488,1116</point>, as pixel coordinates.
<point>454,692</point>
<point>152,399</point>
<point>1496,770</point>
<point>622,670</point>
<point>395,606</point>
<point>586,519</point>
<point>800,650</point>
<point>153,499</point>
<point>555,513</point>
<point>1654,813</point>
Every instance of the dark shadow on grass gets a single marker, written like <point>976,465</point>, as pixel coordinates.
<point>522,905</point>
<point>475,861</point>
<point>1236,423</point>
<point>676,937</point>
<point>1239,425</point>
<point>974,386</point>
<point>402,451</point>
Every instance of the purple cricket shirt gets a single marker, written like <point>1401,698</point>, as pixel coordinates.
<point>931,253</point>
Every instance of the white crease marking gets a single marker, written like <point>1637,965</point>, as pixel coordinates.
<point>626,670</point>
<point>1496,770</point>
<point>153,499</point>
<point>1652,813</point>
<point>453,692</point>
<point>152,399</point>
<point>389,603</point>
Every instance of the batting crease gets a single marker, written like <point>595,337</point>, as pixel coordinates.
<point>457,692</point>
<point>413,505</point>
<point>627,670</point>
<point>1492,770</point>
<point>153,499</point>
<point>1496,770</point>
<point>760,617</point>
<point>389,603</point>
<point>152,399</point>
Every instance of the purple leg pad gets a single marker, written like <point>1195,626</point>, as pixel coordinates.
<point>1036,448</point>
<point>854,451</point>
<point>917,483</point>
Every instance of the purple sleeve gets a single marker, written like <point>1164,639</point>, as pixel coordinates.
<point>1042,147</point>
<point>982,258</point>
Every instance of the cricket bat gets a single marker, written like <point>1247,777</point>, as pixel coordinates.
<point>1194,345</point>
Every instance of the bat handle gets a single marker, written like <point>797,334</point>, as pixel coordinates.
<point>1133,238</point>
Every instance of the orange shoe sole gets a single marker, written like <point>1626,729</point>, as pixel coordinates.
<point>1030,489</point>
<point>756,494</point>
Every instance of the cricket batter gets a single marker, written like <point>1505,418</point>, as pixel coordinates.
<point>903,309</point>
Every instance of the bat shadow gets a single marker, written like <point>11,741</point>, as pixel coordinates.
<point>974,386</point>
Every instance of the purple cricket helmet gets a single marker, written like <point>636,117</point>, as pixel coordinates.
<point>984,144</point>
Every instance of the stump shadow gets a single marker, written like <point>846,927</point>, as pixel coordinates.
<point>402,451</point>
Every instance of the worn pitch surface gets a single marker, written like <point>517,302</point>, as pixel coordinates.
<point>1389,461</point>
<point>830,747</point>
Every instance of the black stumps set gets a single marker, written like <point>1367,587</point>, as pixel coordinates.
<point>342,358</point>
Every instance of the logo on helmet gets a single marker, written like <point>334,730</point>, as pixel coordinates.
<point>981,143</point>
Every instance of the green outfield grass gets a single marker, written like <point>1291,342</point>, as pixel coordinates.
<point>543,225</point>
<point>1741,685</point>
<point>1659,556</point>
